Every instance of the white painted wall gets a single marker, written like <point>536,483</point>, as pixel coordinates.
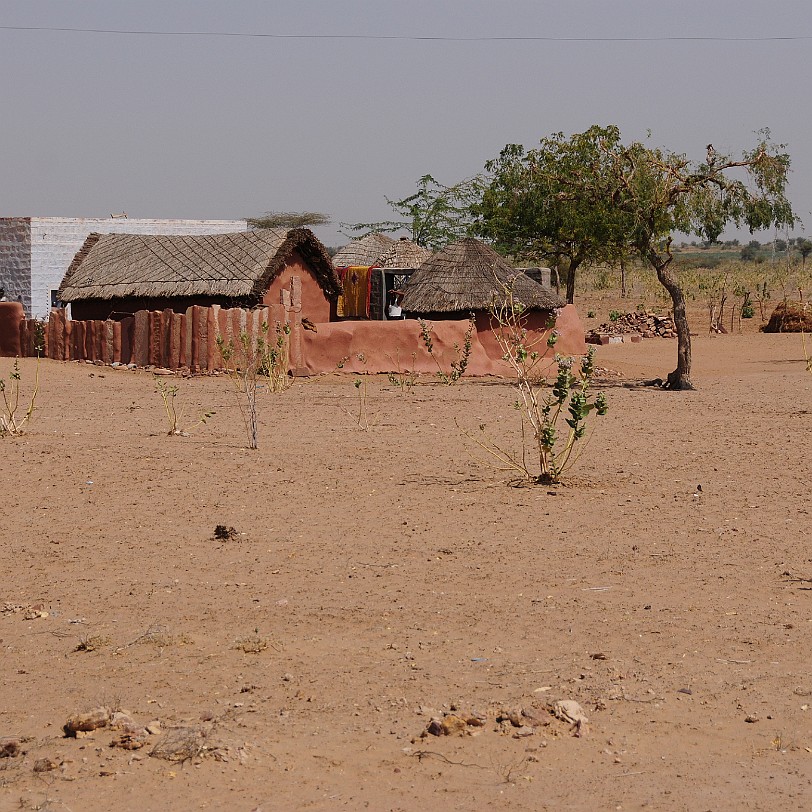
<point>55,241</point>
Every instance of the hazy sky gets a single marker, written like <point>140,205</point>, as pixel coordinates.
<point>228,127</point>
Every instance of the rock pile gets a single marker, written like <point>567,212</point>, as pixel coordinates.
<point>642,323</point>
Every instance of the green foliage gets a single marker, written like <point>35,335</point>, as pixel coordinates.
<point>462,354</point>
<point>557,415</point>
<point>434,215</point>
<point>529,210</point>
<point>12,419</point>
<point>174,414</point>
<point>614,315</point>
<point>289,219</point>
<point>654,192</point>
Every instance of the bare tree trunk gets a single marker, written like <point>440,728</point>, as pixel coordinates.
<point>680,378</point>
<point>622,278</point>
<point>573,266</point>
<point>556,272</point>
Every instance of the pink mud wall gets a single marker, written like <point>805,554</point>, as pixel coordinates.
<point>315,305</point>
<point>12,317</point>
<point>388,345</point>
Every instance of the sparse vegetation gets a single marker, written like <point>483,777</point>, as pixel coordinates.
<point>461,354</point>
<point>16,410</point>
<point>175,414</point>
<point>248,363</point>
<point>360,384</point>
<point>252,643</point>
<point>404,379</point>
<point>556,414</point>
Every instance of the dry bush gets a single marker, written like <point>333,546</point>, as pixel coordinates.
<point>181,744</point>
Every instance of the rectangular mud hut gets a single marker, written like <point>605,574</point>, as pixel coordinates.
<point>116,275</point>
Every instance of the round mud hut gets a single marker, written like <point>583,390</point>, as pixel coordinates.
<point>469,277</point>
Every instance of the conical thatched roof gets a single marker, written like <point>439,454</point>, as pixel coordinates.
<point>242,264</point>
<point>469,275</point>
<point>404,255</point>
<point>363,251</point>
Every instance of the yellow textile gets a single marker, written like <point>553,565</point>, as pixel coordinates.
<point>354,304</point>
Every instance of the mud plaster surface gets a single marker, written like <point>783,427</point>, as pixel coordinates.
<point>392,574</point>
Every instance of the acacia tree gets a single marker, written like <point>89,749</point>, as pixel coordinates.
<point>600,199</point>
<point>659,192</point>
<point>529,212</point>
<point>434,215</point>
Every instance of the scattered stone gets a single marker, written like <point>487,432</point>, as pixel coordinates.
<point>568,710</point>
<point>751,718</point>
<point>121,720</point>
<point>45,765</point>
<point>131,738</point>
<point>523,732</point>
<point>451,724</point>
<point>86,722</point>
<point>34,612</point>
<point>154,728</point>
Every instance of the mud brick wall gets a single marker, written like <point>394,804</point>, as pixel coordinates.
<point>162,338</point>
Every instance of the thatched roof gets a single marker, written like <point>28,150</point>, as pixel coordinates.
<point>363,251</point>
<point>404,255</point>
<point>469,275</point>
<point>242,264</point>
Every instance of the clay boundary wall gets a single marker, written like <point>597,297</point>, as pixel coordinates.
<point>162,338</point>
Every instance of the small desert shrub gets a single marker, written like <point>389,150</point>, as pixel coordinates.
<point>174,414</point>
<point>92,643</point>
<point>403,379</point>
<point>556,414</point>
<point>462,354</point>
<point>252,644</point>
<point>275,353</point>
<point>14,414</point>
<point>249,363</point>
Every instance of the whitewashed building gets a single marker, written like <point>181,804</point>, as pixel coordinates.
<point>35,252</point>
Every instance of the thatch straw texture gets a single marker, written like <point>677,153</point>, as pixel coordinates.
<point>403,255</point>
<point>790,317</point>
<point>239,265</point>
<point>363,251</point>
<point>468,276</point>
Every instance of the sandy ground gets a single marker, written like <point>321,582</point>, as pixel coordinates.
<point>379,578</point>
